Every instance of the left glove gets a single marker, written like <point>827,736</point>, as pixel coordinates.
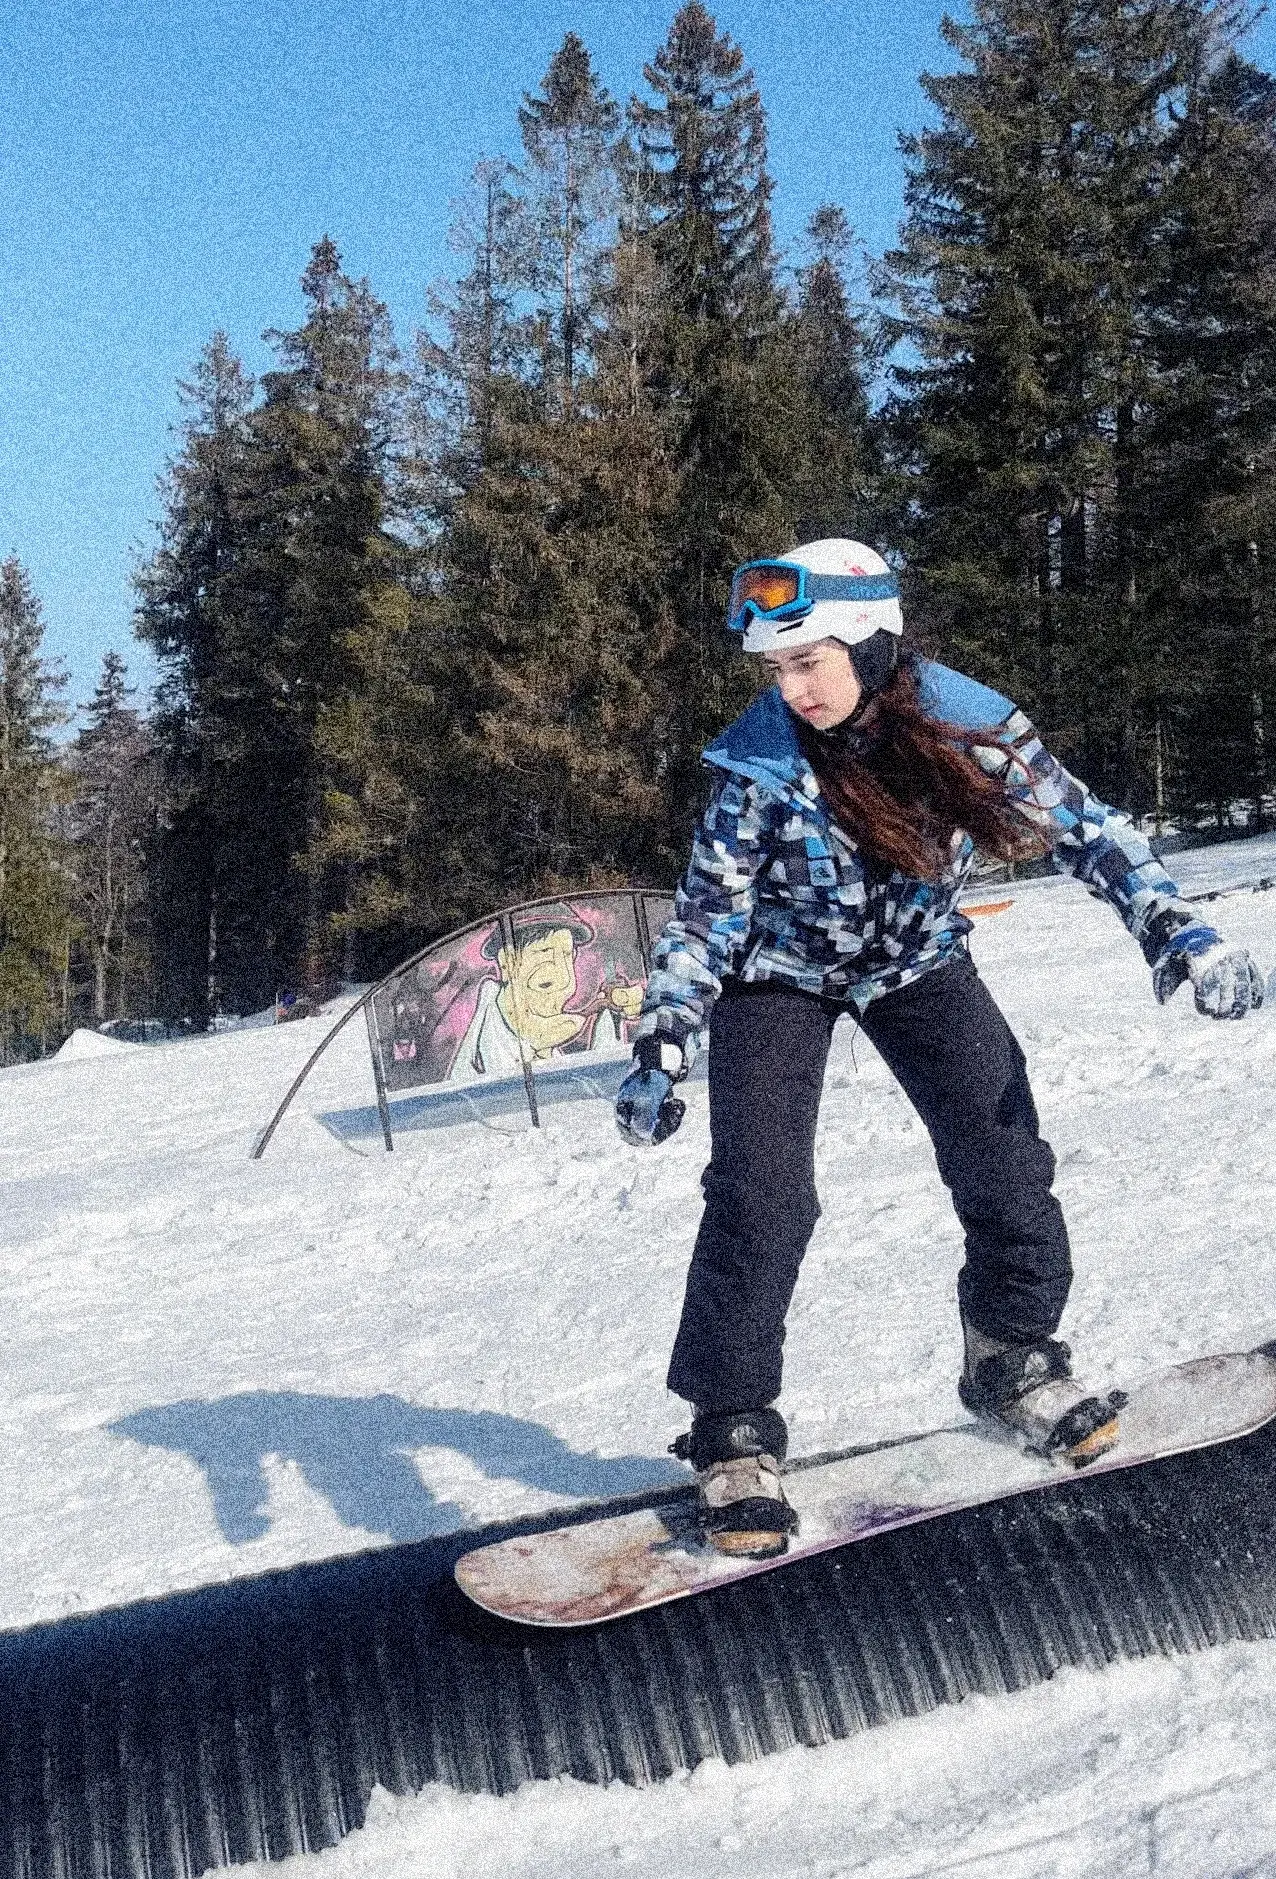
<point>646,1110</point>
<point>1225,981</point>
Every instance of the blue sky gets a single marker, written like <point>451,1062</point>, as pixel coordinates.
<point>165,168</point>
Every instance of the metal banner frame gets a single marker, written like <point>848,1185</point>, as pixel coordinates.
<point>504,919</point>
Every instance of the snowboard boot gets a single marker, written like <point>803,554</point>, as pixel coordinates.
<point>737,1456</point>
<point>1030,1390</point>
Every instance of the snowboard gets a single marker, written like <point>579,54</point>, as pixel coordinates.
<point>606,1567</point>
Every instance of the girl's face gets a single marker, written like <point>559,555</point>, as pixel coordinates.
<point>817,681</point>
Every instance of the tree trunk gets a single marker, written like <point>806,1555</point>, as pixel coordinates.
<point>347,952</point>
<point>99,981</point>
<point>1046,650</point>
<point>1258,735</point>
<point>211,956</point>
<point>1160,773</point>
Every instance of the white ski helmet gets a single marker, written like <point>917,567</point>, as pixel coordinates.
<point>832,589</point>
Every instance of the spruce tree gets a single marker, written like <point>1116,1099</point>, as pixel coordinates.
<point>110,823</point>
<point>568,130</point>
<point>34,916</point>
<point>1211,516</point>
<point>204,861</point>
<point>548,601</point>
<point>271,601</point>
<point>323,561</point>
<point>835,474</point>
<point>702,137</point>
<point>713,363</point>
<point>1029,275</point>
<point>555,603</point>
<point>474,383</point>
<point>471,361</point>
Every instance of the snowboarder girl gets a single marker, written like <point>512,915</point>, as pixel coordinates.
<point>849,801</point>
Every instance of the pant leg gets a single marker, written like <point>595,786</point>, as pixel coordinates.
<point>767,1051</point>
<point>962,1069</point>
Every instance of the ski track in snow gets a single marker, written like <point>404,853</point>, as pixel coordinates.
<point>216,1367</point>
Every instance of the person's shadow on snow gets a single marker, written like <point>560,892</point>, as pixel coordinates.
<point>357,1452</point>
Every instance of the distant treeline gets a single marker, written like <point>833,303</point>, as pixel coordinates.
<point>440,622</point>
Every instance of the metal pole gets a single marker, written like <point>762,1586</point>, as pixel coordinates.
<point>507,934</point>
<point>378,1075</point>
<point>303,1073</point>
<point>643,933</point>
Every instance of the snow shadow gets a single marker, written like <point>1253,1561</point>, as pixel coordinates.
<point>357,1452</point>
<point>444,1105</point>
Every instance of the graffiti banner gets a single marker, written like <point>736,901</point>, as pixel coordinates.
<point>537,986</point>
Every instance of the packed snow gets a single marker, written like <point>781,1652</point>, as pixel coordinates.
<point>85,1043</point>
<point>215,1366</point>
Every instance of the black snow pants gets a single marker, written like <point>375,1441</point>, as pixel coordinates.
<point>963,1071</point>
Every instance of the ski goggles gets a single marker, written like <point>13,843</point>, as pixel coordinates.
<point>784,592</point>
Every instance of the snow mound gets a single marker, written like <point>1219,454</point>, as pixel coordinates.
<point>85,1043</point>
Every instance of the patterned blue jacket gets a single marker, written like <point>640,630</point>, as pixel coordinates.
<point>775,890</point>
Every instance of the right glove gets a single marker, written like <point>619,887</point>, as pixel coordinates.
<point>647,1112</point>
<point>1225,981</point>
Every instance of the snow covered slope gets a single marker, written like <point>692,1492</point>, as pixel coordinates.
<point>214,1366</point>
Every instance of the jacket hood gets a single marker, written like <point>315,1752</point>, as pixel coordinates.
<point>762,747</point>
<point>762,744</point>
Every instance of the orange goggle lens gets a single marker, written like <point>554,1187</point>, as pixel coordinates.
<point>765,587</point>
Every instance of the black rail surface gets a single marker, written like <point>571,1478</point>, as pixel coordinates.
<point>252,1720</point>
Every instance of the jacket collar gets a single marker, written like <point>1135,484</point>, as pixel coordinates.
<point>762,747</point>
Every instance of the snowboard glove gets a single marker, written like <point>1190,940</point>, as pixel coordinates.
<point>1225,981</point>
<point>646,1110</point>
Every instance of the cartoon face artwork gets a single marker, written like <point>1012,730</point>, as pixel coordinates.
<point>537,980</point>
<point>521,1015</point>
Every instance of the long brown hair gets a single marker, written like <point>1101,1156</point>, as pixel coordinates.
<point>902,783</point>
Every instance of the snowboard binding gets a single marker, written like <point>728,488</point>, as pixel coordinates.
<point>1029,1389</point>
<point>743,1510</point>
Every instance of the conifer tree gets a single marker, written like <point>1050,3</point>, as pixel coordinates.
<point>110,821</point>
<point>267,643</point>
<point>321,557</point>
<point>568,130</point>
<point>378,745</point>
<point>632,296</point>
<point>702,137</point>
<point>471,360</point>
<point>835,473</point>
<point>204,845</point>
<point>556,603</point>
<point>1029,274</point>
<point>33,890</point>
<point>1211,516</point>
<point>473,385</point>
<point>549,590</point>
<point>713,363</point>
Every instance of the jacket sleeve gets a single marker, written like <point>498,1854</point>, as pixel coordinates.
<point>712,915</point>
<point>1097,845</point>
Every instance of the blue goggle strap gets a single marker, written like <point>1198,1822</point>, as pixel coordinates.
<point>851,587</point>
